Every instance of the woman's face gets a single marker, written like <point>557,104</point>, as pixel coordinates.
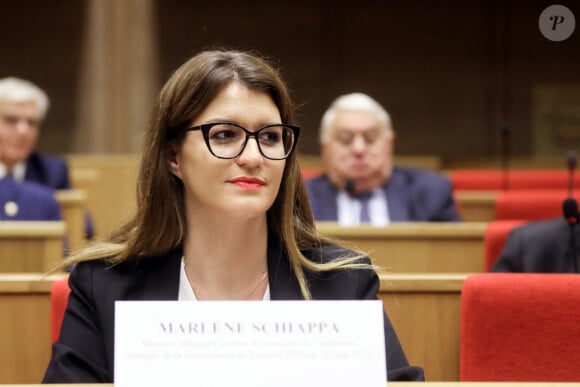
<point>243,187</point>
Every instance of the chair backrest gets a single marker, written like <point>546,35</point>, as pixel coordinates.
<point>496,234</point>
<point>520,327</point>
<point>58,300</point>
<point>530,204</point>
<point>496,179</point>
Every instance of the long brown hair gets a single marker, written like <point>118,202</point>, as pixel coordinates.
<point>159,223</point>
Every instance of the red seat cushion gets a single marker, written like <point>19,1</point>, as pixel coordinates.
<point>530,205</point>
<point>496,235</point>
<point>520,327</point>
<point>496,179</point>
<point>58,300</point>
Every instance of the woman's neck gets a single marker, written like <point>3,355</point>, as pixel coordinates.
<point>227,260</point>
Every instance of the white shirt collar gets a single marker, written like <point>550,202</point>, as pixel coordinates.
<point>349,209</point>
<point>18,172</point>
<point>186,292</point>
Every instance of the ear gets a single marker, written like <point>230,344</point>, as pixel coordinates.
<point>172,160</point>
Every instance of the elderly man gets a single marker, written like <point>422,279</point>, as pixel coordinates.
<point>361,184</point>
<point>23,107</point>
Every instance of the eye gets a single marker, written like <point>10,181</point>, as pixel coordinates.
<point>344,138</point>
<point>225,133</point>
<point>11,120</point>
<point>270,136</point>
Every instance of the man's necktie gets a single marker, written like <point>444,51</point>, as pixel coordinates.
<point>364,211</point>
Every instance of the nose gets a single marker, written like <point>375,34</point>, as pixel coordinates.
<point>358,144</point>
<point>23,125</point>
<point>251,154</point>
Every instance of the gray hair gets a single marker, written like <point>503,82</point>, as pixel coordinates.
<point>354,101</point>
<point>19,90</point>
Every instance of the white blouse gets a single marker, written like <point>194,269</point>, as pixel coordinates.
<point>186,292</point>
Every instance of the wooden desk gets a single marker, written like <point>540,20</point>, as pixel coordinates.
<point>111,194</point>
<point>30,246</point>
<point>72,205</point>
<point>431,162</point>
<point>417,247</point>
<point>25,327</point>
<point>476,206</point>
<point>425,311</point>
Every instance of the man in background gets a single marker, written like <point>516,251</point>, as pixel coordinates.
<point>360,183</point>
<point>544,246</point>
<point>25,201</point>
<point>23,107</point>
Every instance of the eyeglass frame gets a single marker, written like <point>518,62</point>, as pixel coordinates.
<point>205,128</point>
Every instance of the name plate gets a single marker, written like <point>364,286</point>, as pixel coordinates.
<point>249,343</point>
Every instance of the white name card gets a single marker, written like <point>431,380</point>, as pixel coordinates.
<point>250,343</point>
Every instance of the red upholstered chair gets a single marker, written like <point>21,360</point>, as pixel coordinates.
<point>520,327</point>
<point>496,179</point>
<point>495,237</point>
<point>530,205</point>
<point>311,172</point>
<point>475,179</point>
<point>58,299</point>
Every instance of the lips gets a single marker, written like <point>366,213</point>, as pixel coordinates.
<point>248,182</point>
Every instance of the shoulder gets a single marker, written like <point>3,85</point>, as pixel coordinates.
<point>29,190</point>
<point>344,283</point>
<point>317,182</point>
<point>419,176</point>
<point>541,229</point>
<point>47,159</point>
<point>47,164</point>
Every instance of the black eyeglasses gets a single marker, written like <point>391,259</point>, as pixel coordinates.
<point>226,140</point>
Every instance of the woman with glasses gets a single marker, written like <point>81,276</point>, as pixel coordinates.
<point>222,214</point>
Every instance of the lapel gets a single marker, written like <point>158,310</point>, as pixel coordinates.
<point>325,198</point>
<point>283,283</point>
<point>161,280</point>
<point>398,197</point>
<point>161,275</point>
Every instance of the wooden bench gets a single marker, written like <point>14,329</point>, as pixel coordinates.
<point>476,206</point>
<point>424,309</point>
<point>109,180</point>
<point>30,246</point>
<point>25,327</point>
<point>416,247</point>
<point>73,205</point>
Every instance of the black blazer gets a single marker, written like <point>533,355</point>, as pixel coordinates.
<point>84,351</point>
<point>539,247</point>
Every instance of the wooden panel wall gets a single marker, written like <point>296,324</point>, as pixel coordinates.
<point>444,69</point>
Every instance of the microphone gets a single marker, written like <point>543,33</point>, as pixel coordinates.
<point>350,187</point>
<point>571,161</point>
<point>505,154</point>
<point>570,209</point>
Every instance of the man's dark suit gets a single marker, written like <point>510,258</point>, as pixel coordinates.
<point>412,195</point>
<point>84,351</point>
<point>53,172</point>
<point>30,200</point>
<point>539,247</point>
<point>47,170</point>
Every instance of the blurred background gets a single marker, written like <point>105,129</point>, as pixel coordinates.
<point>452,73</point>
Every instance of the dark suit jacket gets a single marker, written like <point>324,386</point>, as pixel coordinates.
<point>34,201</point>
<point>412,195</point>
<point>84,351</point>
<point>47,170</point>
<point>53,172</point>
<point>539,247</point>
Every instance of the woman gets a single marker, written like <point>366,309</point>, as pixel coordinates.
<point>222,215</point>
